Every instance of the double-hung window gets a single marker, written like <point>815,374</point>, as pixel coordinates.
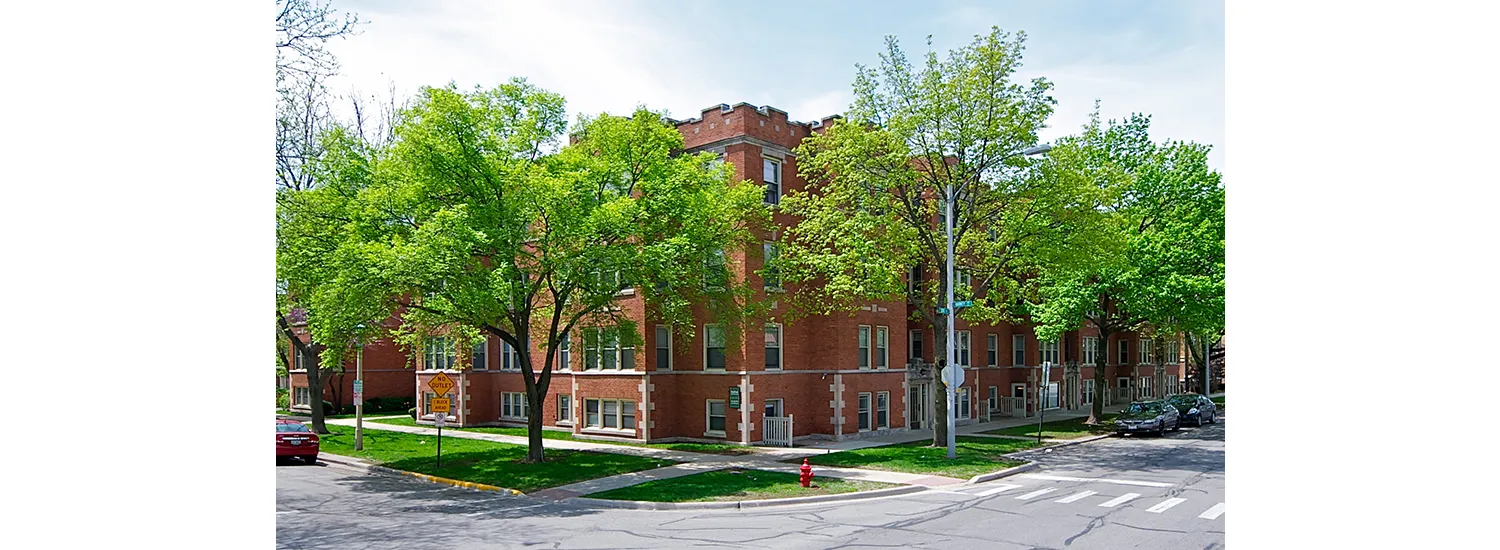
<point>1144,351</point>
<point>663,347</point>
<point>715,417</point>
<point>564,352</point>
<point>303,359</point>
<point>440,353</point>
<point>715,271</point>
<point>1148,390</point>
<point>992,349</point>
<point>610,414</point>
<point>1124,351</point>
<point>963,348</point>
<point>713,347</point>
<point>864,411</point>
<point>994,400</point>
<point>1018,350</point>
<point>864,347</point>
<point>1088,391</point>
<point>965,410</point>
<point>914,350</point>
<point>773,347</point>
<point>1049,352</point>
<point>882,347</point>
<point>480,358</point>
<point>603,350</point>
<point>882,410</point>
<point>1173,348</point>
<point>770,273</point>
<point>914,280</point>
<point>1090,349</point>
<point>564,408</point>
<point>513,405</point>
<point>509,359</point>
<point>302,396</point>
<point>771,175</point>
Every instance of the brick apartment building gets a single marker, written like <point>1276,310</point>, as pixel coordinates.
<point>837,377</point>
<point>387,373</point>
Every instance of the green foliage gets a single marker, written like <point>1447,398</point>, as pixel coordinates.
<point>283,399</point>
<point>388,404</point>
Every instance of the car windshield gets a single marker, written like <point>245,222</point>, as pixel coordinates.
<point>1144,407</point>
<point>1185,400</point>
<point>292,428</point>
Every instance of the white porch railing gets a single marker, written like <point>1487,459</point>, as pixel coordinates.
<point>778,431</point>
<point>1014,407</point>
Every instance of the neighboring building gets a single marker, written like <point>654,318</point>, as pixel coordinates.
<point>838,376</point>
<point>387,373</point>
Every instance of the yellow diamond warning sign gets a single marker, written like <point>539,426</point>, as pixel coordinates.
<point>440,405</point>
<point>440,384</point>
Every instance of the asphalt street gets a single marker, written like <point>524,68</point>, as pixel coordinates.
<point>1161,493</point>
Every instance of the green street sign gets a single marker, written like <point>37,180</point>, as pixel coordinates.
<point>965,303</point>
<point>734,397</point>
<point>943,310</point>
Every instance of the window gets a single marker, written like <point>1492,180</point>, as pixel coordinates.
<point>965,282</point>
<point>1144,351</point>
<point>994,398</point>
<point>513,405</point>
<point>715,413</point>
<point>1172,384</point>
<point>565,352</point>
<point>509,359</point>
<point>1088,392</point>
<point>481,356</point>
<point>602,350</point>
<point>864,347</point>
<point>992,349</point>
<point>773,408</point>
<point>440,353</point>
<point>773,347</point>
<point>611,278</point>
<point>713,347</point>
<point>302,396</point>
<point>771,174</point>
<point>882,347</point>
<point>771,274</point>
<point>427,402</point>
<point>964,404</point>
<point>864,411</point>
<point>564,408</point>
<point>609,414</point>
<point>1018,350</point>
<point>663,348</point>
<point>914,280</point>
<point>1053,397</point>
<point>1049,351</point>
<point>1090,349</point>
<point>1124,351</point>
<point>914,351</point>
<point>1173,348</point>
<point>1148,390</point>
<point>715,271</point>
<point>301,360</point>
<point>883,410</point>
<point>963,348</point>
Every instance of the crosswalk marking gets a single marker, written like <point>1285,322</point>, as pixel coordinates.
<point>1076,497</point>
<point>1000,489</point>
<point>1034,494</point>
<point>1122,499</point>
<point>1165,504</point>
<point>1211,513</point>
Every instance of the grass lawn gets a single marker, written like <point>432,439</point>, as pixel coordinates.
<point>735,484</point>
<point>975,455</point>
<point>482,461</point>
<point>1219,401</point>
<point>1061,429</point>
<point>709,448</point>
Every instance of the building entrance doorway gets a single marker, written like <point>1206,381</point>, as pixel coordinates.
<point>916,406</point>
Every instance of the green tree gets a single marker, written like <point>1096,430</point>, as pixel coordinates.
<point>877,183</point>
<point>472,222</point>
<point>1157,234</point>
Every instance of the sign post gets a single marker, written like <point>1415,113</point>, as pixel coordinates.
<point>440,385</point>
<point>438,419</point>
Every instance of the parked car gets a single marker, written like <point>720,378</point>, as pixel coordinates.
<point>295,439</point>
<point>1195,409</point>
<point>1147,417</point>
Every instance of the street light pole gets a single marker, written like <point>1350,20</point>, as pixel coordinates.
<point>1041,404</point>
<point>953,366</point>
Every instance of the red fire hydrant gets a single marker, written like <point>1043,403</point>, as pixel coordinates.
<point>806,476</point>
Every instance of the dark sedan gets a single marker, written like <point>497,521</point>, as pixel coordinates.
<point>1147,417</point>
<point>1195,409</point>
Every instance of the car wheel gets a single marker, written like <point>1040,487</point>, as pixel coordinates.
<point>311,459</point>
<point>1213,418</point>
<point>1177,425</point>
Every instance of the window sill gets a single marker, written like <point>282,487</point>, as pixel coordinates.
<point>608,431</point>
<point>513,418</point>
<point>626,292</point>
<point>568,423</point>
<point>714,434</point>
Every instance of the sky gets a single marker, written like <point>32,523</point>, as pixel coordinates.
<point>1162,58</point>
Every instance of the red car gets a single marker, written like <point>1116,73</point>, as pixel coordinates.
<point>294,438</point>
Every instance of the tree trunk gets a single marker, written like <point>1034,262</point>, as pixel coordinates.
<point>1101,364</point>
<point>536,394</point>
<point>939,387</point>
<point>314,378</point>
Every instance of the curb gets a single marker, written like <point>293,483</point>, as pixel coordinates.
<point>349,461</point>
<point>645,505</point>
<point>981,478</point>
